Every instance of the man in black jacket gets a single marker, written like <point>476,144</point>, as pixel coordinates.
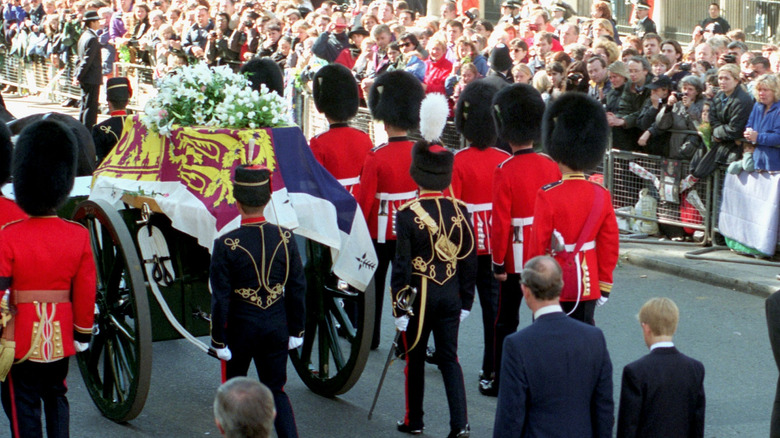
<point>89,72</point>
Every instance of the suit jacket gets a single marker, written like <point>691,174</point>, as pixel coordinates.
<point>556,381</point>
<point>90,67</point>
<point>662,394</point>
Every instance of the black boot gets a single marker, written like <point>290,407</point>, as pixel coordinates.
<point>462,433</point>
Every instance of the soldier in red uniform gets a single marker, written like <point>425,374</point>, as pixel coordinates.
<point>9,211</point>
<point>385,183</point>
<point>518,111</point>
<point>573,218</point>
<point>472,183</point>
<point>341,150</point>
<point>47,265</point>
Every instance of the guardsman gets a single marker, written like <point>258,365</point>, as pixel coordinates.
<point>573,218</point>
<point>472,183</point>
<point>106,133</point>
<point>385,183</point>
<point>341,150</point>
<point>258,291</point>
<point>9,211</point>
<point>47,271</point>
<point>436,255</point>
<point>518,111</point>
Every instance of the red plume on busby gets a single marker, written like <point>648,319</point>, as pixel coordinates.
<point>575,131</point>
<point>431,162</point>
<point>473,115</point>
<point>44,167</point>
<point>395,99</point>
<point>335,92</point>
<point>6,149</point>
<point>518,111</point>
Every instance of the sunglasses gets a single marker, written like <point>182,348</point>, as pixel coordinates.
<point>408,44</point>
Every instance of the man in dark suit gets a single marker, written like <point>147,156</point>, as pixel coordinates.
<point>773,323</point>
<point>539,394</point>
<point>662,394</point>
<point>89,71</point>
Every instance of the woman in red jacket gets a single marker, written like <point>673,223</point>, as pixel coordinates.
<point>437,67</point>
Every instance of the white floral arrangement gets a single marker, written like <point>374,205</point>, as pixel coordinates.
<point>199,95</point>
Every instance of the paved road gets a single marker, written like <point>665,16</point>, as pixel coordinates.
<point>723,328</point>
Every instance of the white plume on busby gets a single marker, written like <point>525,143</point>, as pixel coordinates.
<point>575,131</point>
<point>431,162</point>
<point>44,167</point>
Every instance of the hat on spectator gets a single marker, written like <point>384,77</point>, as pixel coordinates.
<point>44,170</point>
<point>517,111</point>
<point>558,7</point>
<point>118,89</point>
<point>499,58</point>
<point>358,30</point>
<point>336,92</point>
<point>264,71</point>
<point>642,5</point>
<point>90,16</point>
<point>619,68</point>
<point>473,114</point>
<point>510,4</point>
<point>252,185</point>
<point>661,81</point>
<point>6,150</point>
<point>395,99</point>
<point>431,162</point>
<point>575,131</point>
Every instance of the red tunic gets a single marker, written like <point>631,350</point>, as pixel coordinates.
<point>49,254</point>
<point>515,184</point>
<point>342,151</point>
<point>563,207</point>
<point>385,185</point>
<point>472,183</point>
<point>9,211</point>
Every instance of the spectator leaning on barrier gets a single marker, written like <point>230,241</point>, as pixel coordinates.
<point>730,112</point>
<point>763,126</point>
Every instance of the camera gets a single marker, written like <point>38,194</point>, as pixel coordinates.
<point>470,15</point>
<point>685,66</point>
<point>340,8</point>
<point>678,95</point>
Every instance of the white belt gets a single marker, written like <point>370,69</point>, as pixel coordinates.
<point>349,181</point>
<point>472,208</point>
<point>522,221</point>
<point>585,247</point>
<point>396,196</point>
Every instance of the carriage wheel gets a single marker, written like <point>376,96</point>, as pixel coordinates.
<point>335,349</point>
<point>118,365</point>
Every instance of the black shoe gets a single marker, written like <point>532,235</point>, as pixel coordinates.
<point>430,356</point>
<point>488,388</point>
<point>463,433</point>
<point>405,428</point>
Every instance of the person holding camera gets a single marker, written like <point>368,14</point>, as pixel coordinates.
<point>245,38</point>
<point>333,41</point>
<point>653,141</point>
<point>681,116</point>
<point>217,45</point>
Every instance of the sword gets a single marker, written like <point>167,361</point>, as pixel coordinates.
<point>406,305</point>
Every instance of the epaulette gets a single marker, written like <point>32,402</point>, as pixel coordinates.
<point>376,148</point>
<point>408,203</point>
<point>506,161</point>
<point>11,223</point>
<point>552,185</point>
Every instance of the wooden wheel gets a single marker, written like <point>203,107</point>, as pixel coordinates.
<point>336,344</point>
<point>118,365</point>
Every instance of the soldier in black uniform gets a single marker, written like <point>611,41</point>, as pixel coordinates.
<point>436,254</point>
<point>106,133</point>
<point>258,289</point>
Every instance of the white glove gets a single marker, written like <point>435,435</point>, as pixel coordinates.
<point>80,346</point>
<point>224,353</point>
<point>602,301</point>
<point>401,323</point>
<point>294,343</point>
<point>464,314</point>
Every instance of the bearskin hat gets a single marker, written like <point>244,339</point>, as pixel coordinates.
<point>335,92</point>
<point>252,185</point>
<point>85,142</point>
<point>395,99</point>
<point>6,149</point>
<point>264,71</point>
<point>575,131</point>
<point>499,58</point>
<point>518,111</point>
<point>431,166</point>
<point>473,116</point>
<point>44,167</point>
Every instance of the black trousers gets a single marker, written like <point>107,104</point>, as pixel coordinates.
<point>584,312</point>
<point>88,111</point>
<point>773,324</point>
<point>385,253</point>
<point>507,317</point>
<point>487,289</point>
<point>266,344</point>
<point>26,386</point>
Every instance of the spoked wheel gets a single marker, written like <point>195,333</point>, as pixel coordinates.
<point>335,348</point>
<point>118,365</point>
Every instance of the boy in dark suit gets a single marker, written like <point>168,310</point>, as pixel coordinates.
<point>662,394</point>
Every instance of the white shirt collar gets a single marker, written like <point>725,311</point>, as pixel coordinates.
<point>662,344</point>
<point>547,309</point>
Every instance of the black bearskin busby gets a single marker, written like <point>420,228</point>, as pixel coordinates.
<point>118,90</point>
<point>500,60</point>
<point>6,149</point>
<point>575,131</point>
<point>86,144</point>
<point>264,71</point>
<point>252,185</point>
<point>518,111</point>
<point>431,166</point>
<point>44,167</point>
<point>395,99</point>
<point>473,116</point>
<point>335,92</point>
